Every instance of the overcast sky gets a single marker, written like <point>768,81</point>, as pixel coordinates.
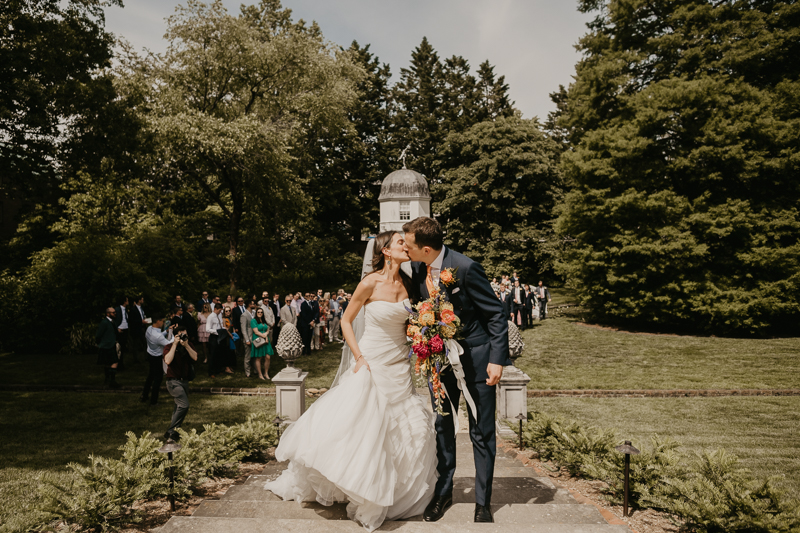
<point>531,42</point>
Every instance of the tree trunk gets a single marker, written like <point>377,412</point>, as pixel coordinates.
<point>233,234</point>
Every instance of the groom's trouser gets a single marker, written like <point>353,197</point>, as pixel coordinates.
<point>481,432</point>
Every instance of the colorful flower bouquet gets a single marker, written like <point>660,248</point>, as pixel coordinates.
<point>431,325</point>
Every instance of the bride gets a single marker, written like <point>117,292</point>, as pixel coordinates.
<point>370,440</point>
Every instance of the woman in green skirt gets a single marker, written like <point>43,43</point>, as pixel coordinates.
<point>260,347</point>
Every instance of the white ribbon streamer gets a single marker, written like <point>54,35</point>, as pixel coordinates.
<point>454,352</point>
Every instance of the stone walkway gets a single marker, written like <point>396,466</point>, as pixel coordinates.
<point>521,501</point>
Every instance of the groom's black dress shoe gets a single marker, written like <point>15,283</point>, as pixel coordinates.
<point>435,510</point>
<point>483,513</point>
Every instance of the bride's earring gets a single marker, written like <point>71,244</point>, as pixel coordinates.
<point>389,262</point>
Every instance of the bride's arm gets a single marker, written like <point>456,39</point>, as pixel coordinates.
<point>359,299</point>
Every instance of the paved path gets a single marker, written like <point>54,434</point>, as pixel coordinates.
<point>521,502</point>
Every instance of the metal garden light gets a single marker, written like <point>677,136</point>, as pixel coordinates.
<point>628,450</point>
<point>277,422</point>
<point>169,448</point>
<point>520,417</point>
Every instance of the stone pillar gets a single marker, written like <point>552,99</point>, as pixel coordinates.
<point>290,393</point>
<point>512,393</point>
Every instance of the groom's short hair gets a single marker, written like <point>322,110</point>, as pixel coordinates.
<point>427,232</point>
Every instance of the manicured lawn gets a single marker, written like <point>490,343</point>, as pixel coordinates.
<point>762,432</point>
<point>43,431</point>
<point>562,354</point>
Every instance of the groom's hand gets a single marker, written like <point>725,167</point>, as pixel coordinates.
<point>495,373</point>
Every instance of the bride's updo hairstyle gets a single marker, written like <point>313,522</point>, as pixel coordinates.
<point>383,240</point>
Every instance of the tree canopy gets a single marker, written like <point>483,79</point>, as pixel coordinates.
<point>683,125</point>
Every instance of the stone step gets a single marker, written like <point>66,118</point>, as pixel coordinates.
<point>505,490</point>
<point>458,513</point>
<point>196,524</point>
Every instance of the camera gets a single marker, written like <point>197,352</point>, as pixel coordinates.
<point>183,337</point>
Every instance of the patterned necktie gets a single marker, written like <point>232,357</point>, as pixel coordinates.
<point>429,281</point>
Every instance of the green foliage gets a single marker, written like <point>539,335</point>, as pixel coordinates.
<point>506,169</point>
<point>685,152</point>
<point>717,496</point>
<point>709,492</point>
<point>102,493</point>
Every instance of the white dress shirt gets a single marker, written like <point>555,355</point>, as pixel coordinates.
<point>124,311</point>
<point>436,266</point>
<point>213,323</point>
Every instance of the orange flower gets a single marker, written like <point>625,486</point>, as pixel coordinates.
<point>418,338</point>
<point>427,318</point>
<point>425,307</point>
<point>412,331</point>
<point>448,316</point>
<point>446,276</point>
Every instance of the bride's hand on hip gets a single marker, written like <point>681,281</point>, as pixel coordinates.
<point>361,362</point>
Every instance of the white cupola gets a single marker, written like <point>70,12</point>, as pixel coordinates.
<point>404,197</point>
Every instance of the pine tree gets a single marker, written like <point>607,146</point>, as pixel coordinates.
<point>684,165</point>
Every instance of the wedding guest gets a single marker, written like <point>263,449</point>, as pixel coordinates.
<point>530,304</point>
<point>106,338</point>
<point>333,321</point>
<point>229,347</point>
<point>137,326</point>
<point>122,324</point>
<point>261,349</point>
<point>324,312</point>
<point>177,361</point>
<point>505,299</point>
<point>246,329</point>
<point>269,315</point>
<point>305,324</point>
<point>298,299</point>
<point>517,303</point>
<point>189,322</point>
<point>179,302</point>
<point>543,295</point>
<point>156,341</point>
<point>287,314</point>
<point>316,327</point>
<point>275,307</point>
<point>204,299</point>
<point>229,303</point>
<point>236,317</point>
<point>215,303</point>
<point>217,337</point>
<point>202,332</point>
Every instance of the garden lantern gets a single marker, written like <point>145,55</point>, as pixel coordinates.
<point>169,448</point>
<point>278,421</point>
<point>628,450</point>
<point>520,417</point>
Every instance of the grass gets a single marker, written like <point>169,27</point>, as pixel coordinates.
<point>562,354</point>
<point>762,432</point>
<point>43,431</point>
<point>59,369</point>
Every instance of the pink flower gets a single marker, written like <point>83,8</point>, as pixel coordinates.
<point>422,351</point>
<point>437,344</point>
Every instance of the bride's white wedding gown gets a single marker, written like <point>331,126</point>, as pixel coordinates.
<point>369,441</point>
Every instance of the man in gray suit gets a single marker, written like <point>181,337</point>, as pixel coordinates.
<point>247,333</point>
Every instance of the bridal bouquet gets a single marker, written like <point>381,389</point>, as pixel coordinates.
<point>431,324</point>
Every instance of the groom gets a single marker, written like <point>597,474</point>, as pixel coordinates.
<point>484,329</point>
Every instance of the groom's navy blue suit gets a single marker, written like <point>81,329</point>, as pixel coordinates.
<point>484,337</point>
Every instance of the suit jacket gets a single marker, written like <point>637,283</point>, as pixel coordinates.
<point>315,308</point>
<point>536,292</point>
<point>245,327</point>
<point>306,315</point>
<point>505,302</point>
<point>200,303</point>
<point>276,310</point>
<point>484,323</point>
<point>236,316</point>
<point>190,324</point>
<point>530,301</point>
<point>118,317</point>
<point>135,319</point>
<point>522,296</point>
<point>287,316</point>
<point>106,335</point>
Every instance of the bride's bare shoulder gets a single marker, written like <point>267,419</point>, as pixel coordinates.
<point>369,282</point>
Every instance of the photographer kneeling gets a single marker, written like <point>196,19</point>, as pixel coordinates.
<point>177,367</point>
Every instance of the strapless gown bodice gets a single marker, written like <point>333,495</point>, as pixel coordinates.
<point>370,440</point>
